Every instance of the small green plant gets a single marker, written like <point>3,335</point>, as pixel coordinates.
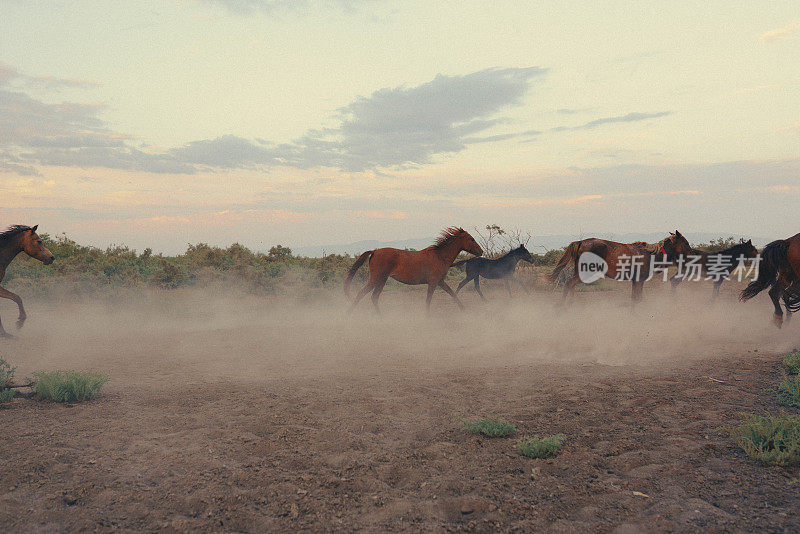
<point>537,447</point>
<point>68,386</point>
<point>491,428</point>
<point>770,439</point>
<point>792,362</point>
<point>789,391</point>
<point>6,377</point>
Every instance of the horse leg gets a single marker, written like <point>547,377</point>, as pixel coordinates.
<point>464,282</point>
<point>431,289</point>
<point>715,293</point>
<point>478,288</point>
<point>508,288</point>
<point>450,292</point>
<point>636,290</point>
<point>523,286</point>
<point>376,292</point>
<point>3,332</point>
<point>361,294</point>
<point>775,294</point>
<point>674,281</point>
<point>569,286</point>
<point>6,294</point>
<point>793,287</point>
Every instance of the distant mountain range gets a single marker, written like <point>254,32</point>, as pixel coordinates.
<point>537,244</point>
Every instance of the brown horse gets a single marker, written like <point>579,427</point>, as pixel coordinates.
<point>779,268</point>
<point>426,266</point>
<point>722,263</point>
<point>612,253</point>
<point>18,239</point>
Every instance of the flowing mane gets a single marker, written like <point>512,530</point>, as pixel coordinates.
<point>446,237</point>
<point>12,231</point>
<point>652,248</point>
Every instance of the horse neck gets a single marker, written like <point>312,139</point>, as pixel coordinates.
<point>511,258</point>
<point>8,252</point>
<point>449,252</point>
<point>732,252</point>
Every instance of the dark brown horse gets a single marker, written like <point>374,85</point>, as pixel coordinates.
<point>779,269</point>
<point>722,263</point>
<point>18,239</point>
<point>427,266</point>
<point>613,254</point>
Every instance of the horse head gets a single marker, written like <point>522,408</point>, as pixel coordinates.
<point>749,250</point>
<point>33,246</point>
<point>523,254</point>
<point>469,244</point>
<point>676,245</point>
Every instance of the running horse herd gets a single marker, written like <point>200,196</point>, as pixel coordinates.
<point>778,269</point>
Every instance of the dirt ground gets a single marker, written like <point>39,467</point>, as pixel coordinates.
<point>236,413</point>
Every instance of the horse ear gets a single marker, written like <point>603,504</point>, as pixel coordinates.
<point>33,230</point>
<point>678,234</point>
<point>671,233</point>
<point>749,241</point>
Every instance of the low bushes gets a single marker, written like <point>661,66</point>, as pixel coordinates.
<point>68,386</point>
<point>536,447</point>
<point>792,362</point>
<point>788,391</point>
<point>770,439</point>
<point>491,428</point>
<point>6,376</point>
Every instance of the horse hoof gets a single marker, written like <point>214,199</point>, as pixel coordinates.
<point>777,320</point>
<point>20,322</point>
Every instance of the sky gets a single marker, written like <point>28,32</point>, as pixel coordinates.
<point>310,122</point>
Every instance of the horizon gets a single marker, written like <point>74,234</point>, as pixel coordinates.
<point>312,123</point>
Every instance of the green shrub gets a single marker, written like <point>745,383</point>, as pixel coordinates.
<point>537,447</point>
<point>492,428</point>
<point>68,386</point>
<point>792,362</point>
<point>789,391</point>
<point>771,439</point>
<point>6,376</point>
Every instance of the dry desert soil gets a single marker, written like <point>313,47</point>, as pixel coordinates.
<point>250,414</point>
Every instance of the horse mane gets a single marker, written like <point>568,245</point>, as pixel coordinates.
<point>732,250</point>
<point>11,232</point>
<point>446,237</point>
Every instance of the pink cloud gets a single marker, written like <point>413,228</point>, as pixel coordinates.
<point>780,33</point>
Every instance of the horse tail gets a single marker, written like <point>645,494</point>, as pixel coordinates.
<point>352,272</point>
<point>773,257</point>
<point>792,299</point>
<point>570,256</point>
<point>459,263</point>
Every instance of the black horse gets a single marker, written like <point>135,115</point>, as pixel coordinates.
<point>500,268</point>
<point>721,263</point>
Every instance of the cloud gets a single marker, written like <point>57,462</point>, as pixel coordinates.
<point>9,73</point>
<point>409,125</point>
<point>228,151</point>
<point>630,117</point>
<point>391,127</point>
<point>779,34</point>
<point>67,134</point>
<point>250,7</point>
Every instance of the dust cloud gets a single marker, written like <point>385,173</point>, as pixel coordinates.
<point>200,335</point>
